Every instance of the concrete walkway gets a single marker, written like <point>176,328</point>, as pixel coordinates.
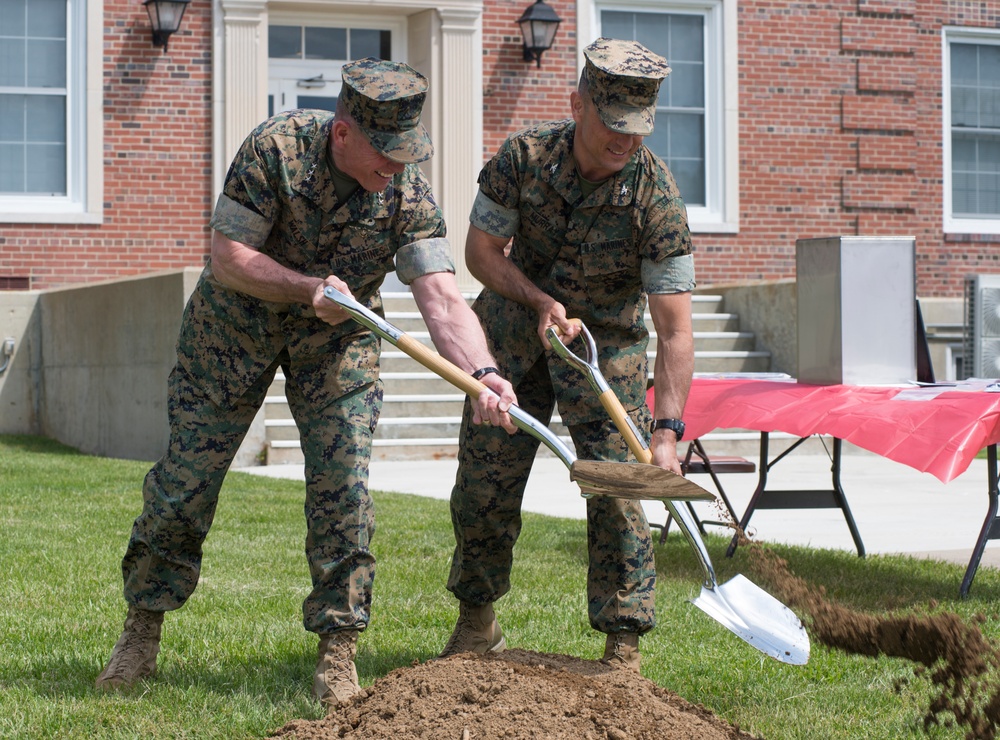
<point>896,509</point>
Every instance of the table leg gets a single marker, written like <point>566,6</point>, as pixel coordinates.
<point>761,485</point>
<point>841,499</point>
<point>833,498</point>
<point>991,525</point>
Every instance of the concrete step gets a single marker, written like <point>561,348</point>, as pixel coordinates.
<point>730,362</point>
<point>398,427</point>
<point>403,301</point>
<point>287,452</point>
<point>407,321</point>
<point>707,322</point>
<point>421,412</point>
<point>416,405</point>
<point>720,442</point>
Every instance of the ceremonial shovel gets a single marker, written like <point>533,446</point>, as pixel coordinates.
<point>741,606</point>
<point>618,479</point>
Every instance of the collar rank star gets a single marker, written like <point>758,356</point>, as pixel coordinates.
<point>624,190</point>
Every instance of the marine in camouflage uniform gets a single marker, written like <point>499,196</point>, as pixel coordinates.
<point>311,199</point>
<point>592,249</point>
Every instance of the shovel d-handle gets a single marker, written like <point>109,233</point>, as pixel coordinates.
<point>447,370</point>
<point>592,371</point>
<point>622,421</point>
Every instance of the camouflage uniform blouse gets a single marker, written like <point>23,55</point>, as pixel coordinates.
<point>279,198</point>
<point>599,257</point>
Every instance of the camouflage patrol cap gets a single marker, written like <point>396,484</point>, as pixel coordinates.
<point>623,79</point>
<point>385,98</point>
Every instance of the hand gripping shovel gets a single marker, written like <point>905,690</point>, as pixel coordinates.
<point>595,477</point>
<point>741,606</point>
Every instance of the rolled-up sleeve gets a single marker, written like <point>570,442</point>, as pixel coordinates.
<point>493,218</point>
<point>239,223</point>
<point>669,275</point>
<point>423,257</point>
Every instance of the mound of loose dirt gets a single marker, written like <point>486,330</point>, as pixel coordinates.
<point>515,694</point>
<point>520,694</point>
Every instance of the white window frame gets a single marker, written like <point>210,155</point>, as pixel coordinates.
<point>84,199</point>
<point>950,34</point>
<point>720,214</point>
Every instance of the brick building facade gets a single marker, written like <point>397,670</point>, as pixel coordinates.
<point>835,126</point>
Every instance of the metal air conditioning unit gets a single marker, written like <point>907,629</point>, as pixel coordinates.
<point>981,338</point>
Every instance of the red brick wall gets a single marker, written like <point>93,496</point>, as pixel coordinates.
<point>840,133</point>
<point>157,161</point>
<point>517,93</point>
<point>839,127</point>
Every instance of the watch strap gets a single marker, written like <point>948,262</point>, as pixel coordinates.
<point>675,425</point>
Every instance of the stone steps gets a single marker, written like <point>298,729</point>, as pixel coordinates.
<point>421,413</point>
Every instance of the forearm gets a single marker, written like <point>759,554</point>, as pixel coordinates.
<point>672,373</point>
<point>242,268</point>
<point>459,338</point>
<point>484,254</point>
<point>672,370</point>
<point>453,326</point>
<point>485,258</point>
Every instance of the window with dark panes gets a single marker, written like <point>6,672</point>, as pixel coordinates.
<point>321,42</point>
<point>679,132</point>
<point>33,97</point>
<point>975,130</point>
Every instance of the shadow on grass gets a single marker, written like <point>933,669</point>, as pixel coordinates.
<point>277,678</point>
<point>41,445</point>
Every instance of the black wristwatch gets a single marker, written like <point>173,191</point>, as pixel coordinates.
<point>483,371</point>
<point>676,425</point>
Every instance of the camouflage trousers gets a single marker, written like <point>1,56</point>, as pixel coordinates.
<point>486,515</point>
<point>162,564</point>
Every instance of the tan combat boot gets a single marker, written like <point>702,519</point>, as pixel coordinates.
<point>477,631</point>
<point>134,655</point>
<point>336,679</point>
<point>622,648</point>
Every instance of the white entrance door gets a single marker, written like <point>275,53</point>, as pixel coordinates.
<point>306,56</point>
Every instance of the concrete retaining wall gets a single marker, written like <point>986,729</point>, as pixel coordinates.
<point>91,363</point>
<point>768,310</point>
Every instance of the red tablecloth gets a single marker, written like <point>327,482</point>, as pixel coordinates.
<point>934,430</point>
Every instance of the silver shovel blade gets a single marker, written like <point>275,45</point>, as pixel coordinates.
<point>753,615</point>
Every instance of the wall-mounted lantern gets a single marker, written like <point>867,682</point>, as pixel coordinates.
<point>165,18</point>
<point>539,24</point>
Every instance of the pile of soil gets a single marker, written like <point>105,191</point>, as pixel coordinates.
<point>522,694</point>
<point>516,694</point>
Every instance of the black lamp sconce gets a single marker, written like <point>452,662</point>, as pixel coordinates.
<point>165,18</point>
<point>539,24</point>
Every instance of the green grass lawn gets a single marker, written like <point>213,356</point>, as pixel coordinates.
<point>236,661</point>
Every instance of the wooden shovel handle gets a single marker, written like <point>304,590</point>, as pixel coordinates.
<point>434,362</point>
<point>617,413</point>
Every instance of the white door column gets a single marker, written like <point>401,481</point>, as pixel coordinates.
<point>459,126</point>
<point>240,77</point>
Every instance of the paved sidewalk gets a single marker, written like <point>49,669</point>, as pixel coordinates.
<point>896,509</point>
